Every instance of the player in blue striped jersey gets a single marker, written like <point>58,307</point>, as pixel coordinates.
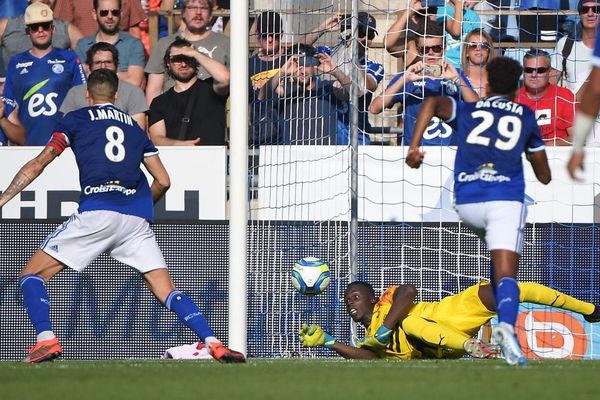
<point>114,211</point>
<point>589,106</point>
<point>492,134</point>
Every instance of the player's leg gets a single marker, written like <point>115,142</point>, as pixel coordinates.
<point>74,244</point>
<point>159,282</point>
<point>40,268</point>
<point>536,293</point>
<point>503,223</point>
<point>440,335</point>
<point>138,248</point>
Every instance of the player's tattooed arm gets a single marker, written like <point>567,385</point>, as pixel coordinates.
<point>28,173</point>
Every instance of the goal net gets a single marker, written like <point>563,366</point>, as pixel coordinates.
<point>301,173</point>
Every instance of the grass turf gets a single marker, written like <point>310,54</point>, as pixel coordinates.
<point>299,379</point>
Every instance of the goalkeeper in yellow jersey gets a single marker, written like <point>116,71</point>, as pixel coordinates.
<point>398,328</point>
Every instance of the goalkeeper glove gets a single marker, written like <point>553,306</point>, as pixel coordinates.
<point>379,340</point>
<point>314,335</point>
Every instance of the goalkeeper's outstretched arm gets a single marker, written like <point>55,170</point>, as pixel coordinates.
<point>352,352</point>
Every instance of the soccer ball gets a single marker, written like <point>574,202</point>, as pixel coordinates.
<point>310,276</point>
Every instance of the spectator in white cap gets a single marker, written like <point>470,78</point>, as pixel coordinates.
<point>14,39</point>
<point>38,80</point>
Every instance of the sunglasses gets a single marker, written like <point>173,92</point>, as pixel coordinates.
<point>483,46</point>
<point>425,49</point>
<point>104,13</point>
<point>586,9</point>
<point>45,26</point>
<point>539,70</point>
<point>180,58</point>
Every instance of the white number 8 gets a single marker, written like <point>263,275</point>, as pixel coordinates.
<point>114,149</point>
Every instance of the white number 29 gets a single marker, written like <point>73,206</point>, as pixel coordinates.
<point>509,126</point>
<point>114,149</point>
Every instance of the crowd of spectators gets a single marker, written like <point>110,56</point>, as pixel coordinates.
<point>299,89</point>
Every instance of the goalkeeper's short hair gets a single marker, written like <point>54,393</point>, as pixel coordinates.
<point>362,285</point>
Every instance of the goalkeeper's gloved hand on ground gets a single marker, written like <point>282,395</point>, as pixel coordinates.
<point>314,335</point>
<point>377,341</point>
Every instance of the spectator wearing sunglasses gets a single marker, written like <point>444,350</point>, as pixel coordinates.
<point>192,112</point>
<point>81,14</point>
<point>430,75</point>
<point>401,37</point>
<point>15,40</point>
<point>457,20</point>
<point>197,17</point>
<point>38,80</point>
<point>554,106</point>
<point>574,66</point>
<point>107,13</point>
<point>477,52</point>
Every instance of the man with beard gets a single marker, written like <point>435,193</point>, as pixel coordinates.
<point>193,111</point>
<point>197,15</point>
<point>38,80</point>
<point>131,61</point>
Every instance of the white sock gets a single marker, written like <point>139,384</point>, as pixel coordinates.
<point>45,335</point>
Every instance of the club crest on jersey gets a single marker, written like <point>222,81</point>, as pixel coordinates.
<point>58,68</point>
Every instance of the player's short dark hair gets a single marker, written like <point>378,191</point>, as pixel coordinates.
<point>102,84</point>
<point>96,4</point>
<point>101,46</point>
<point>503,75</point>
<point>179,43</point>
<point>362,286</point>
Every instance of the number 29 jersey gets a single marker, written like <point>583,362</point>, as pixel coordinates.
<point>109,147</point>
<point>491,136</point>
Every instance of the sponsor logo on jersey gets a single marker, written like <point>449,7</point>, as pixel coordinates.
<point>24,71</point>
<point>24,64</point>
<point>57,61</point>
<point>108,187</point>
<point>437,129</point>
<point>54,247</point>
<point>486,173</point>
<point>551,334</point>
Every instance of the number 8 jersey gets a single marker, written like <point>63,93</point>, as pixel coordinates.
<point>109,147</point>
<point>39,86</point>
<point>491,136</point>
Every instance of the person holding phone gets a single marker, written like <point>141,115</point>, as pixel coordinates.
<point>430,75</point>
<point>313,108</point>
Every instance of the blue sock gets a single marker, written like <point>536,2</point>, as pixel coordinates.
<point>188,313</point>
<point>36,303</point>
<point>493,280</point>
<point>507,300</point>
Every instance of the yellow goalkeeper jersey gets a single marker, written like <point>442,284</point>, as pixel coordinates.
<point>399,347</point>
<point>463,312</point>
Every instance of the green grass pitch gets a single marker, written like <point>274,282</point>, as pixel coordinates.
<point>305,379</point>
